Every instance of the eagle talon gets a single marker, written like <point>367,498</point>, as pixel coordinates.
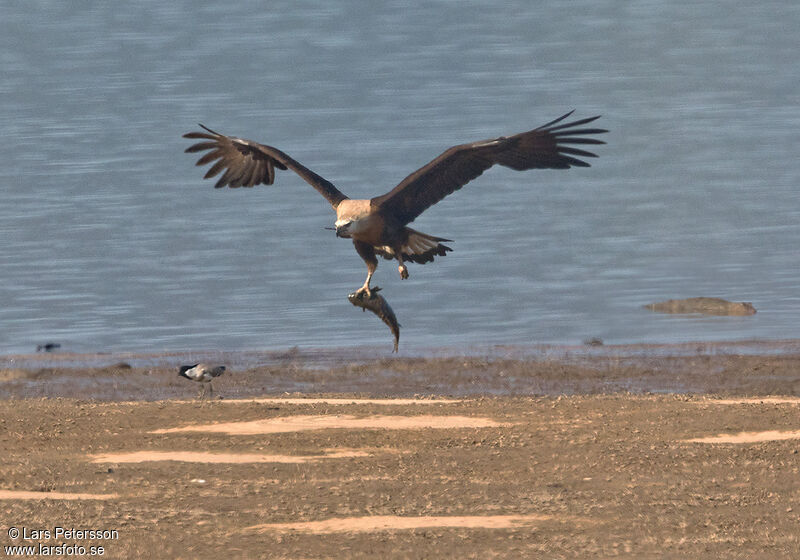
<point>370,293</point>
<point>359,293</point>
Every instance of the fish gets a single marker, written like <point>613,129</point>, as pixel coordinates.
<point>380,307</point>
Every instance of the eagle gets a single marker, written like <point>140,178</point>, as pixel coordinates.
<point>379,226</point>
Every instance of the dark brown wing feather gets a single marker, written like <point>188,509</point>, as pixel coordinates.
<point>546,147</point>
<point>246,163</point>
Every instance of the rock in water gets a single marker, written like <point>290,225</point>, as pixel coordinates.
<point>704,305</point>
<point>380,307</point>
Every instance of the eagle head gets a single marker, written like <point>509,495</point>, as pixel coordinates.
<point>343,228</point>
<point>352,217</point>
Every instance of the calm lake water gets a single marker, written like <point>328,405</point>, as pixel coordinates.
<point>111,241</point>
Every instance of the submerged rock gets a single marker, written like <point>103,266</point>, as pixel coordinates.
<point>704,305</point>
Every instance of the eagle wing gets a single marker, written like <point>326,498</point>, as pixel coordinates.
<point>247,163</point>
<point>545,147</point>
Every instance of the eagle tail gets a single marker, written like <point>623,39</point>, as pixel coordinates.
<point>420,247</point>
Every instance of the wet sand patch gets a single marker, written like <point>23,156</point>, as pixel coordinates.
<point>375,523</point>
<point>285,424</point>
<point>33,495</point>
<point>754,400</point>
<point>210,457</point>
<point>334,401</point>
<point>342,401</point>
<point>748,437</point>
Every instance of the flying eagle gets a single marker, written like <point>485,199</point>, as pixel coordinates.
<point>379,226</point>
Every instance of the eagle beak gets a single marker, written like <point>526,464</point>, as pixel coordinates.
<point>342,230</point>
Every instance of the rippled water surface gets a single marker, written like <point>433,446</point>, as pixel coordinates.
<point>111,241</point>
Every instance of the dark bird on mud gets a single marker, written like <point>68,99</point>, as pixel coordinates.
<point>379,226</point>
<point>202,373</point>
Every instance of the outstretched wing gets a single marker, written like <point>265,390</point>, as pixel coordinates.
<point>546,147</point>
<point>247,163</point>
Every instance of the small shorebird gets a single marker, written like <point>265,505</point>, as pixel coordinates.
<point>202,373</point>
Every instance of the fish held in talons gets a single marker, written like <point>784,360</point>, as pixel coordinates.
<point>380,307</point>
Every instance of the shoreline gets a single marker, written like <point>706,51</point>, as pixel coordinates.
<point>332,355</point>
<point>725,368</point>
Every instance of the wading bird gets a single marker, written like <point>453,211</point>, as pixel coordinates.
<point>379,226</point>
<point>202,373</point>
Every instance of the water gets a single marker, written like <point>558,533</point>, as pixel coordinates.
<point>113,242</point>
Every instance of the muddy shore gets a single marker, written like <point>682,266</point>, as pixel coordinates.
<point>635,452</point>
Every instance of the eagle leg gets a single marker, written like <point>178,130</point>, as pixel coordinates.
<point>365,288</point>
<point>366,252</point>
<point>401,268</point>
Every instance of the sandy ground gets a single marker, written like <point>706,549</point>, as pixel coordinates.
<point>520,459</point>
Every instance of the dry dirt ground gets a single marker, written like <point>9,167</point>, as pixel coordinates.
<point>520,459</point>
